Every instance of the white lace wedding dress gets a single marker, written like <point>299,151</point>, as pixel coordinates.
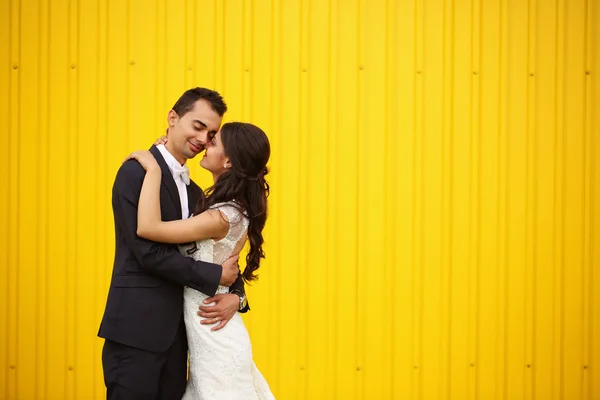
<point>221,365</point>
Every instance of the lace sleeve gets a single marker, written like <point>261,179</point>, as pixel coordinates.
<point>238,224</point>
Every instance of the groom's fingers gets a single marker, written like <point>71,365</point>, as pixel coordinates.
<point>209,321</point>
<point>215,299</point>
<point>213,314</point>
<point>213,321</point>
<point>220,326</point>
<point>209,308</point>
<point>209,300</point>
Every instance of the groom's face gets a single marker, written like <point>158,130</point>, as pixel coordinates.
<point>191,133</point>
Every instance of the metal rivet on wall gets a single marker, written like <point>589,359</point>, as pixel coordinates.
<point>301,368</point>
<point>472,365</point>
<point>528,365</point>
<point>304,70</point>
<point>419,72</point>
<point>585,367</point>
<point>72,66</point>
<point>132,62</point>
<point>588,72</point>
<point>474,72</point>
<point>70,368</point>
<point>531,74</point>
<point>189,67</point>
<point>13,366</point>
<point>15,66</point>
<point>358,368</point>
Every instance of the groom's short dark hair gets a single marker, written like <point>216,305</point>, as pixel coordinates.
<point>190,97</point>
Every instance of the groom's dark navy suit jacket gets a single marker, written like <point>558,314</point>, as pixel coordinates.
<point>145,301</point>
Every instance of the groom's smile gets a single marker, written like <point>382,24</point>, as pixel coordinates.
<point>195,146</point>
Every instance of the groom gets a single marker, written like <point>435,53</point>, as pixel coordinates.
<point>145,349</point>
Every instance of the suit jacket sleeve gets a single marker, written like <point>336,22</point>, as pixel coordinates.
<point>239,285</point>
<point>163,260</point>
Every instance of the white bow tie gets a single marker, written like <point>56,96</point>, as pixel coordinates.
<point>182,172</point>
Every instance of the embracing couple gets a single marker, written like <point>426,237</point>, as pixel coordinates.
<point>176,285</point>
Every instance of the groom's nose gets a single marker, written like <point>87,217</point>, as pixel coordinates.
<point>202,137</point>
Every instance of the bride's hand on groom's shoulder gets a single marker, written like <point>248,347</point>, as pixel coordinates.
<point>145,158</point>
<point>161,140</point>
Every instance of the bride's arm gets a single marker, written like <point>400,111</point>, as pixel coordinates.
<point>208,225</point>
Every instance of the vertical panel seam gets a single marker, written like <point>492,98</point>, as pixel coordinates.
<point>194,61</point>
<point>42,215</point>
<point>507,191</point>
<point>501,338</point>
<point>388,270</point>
<point>19,180</point>
<point>534,201</point>
<point>559,111</point>
<point>100,232</point>
<point>47,212</point>
<point>303,159</point>
<point>12,162</point>
<point>357,252</point>
<point>76,207</point>
<point>11,137</point>
<point>68,202</point>
<point>589,358</point>
<point>450,228</point>
<point>587,210</point>
<point>329,368</point>
<point>415,314</point>
<point>276,122</point>
<point>244,88</point>
<point>301,350</point>
<point>478,228</point>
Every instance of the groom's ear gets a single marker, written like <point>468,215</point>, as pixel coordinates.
<point>172,118</point>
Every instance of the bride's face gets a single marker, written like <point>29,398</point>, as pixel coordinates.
<point>214,158</point>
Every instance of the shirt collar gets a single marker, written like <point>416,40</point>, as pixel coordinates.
<point>172,163</point>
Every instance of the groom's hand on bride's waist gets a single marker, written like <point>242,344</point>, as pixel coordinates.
<point>225,307</point>
<point>231,271</point>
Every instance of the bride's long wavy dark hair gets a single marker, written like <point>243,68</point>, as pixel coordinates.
<point>248,149</point>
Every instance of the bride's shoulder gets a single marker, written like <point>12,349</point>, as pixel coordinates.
<point>231,209</point>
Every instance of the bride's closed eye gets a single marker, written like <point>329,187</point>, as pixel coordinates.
<point>211,138</point>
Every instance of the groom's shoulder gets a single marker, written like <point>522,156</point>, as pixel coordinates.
<point>195,190</point>
<point>131,167</point>
<point>194,186</point>
<point>129,171</point>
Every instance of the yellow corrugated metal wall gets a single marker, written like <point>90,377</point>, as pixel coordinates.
<point>434,226</point>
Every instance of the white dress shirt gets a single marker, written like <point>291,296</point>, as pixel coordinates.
<point>181,176</point>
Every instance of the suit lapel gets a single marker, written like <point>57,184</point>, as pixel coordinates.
<point>194,193</point>
<point>167,179</point>
<point>192,199</point>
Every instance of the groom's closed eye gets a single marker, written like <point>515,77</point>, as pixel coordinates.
<point>199,125</point>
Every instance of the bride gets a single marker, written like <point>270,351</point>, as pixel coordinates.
<point>234,211</point>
